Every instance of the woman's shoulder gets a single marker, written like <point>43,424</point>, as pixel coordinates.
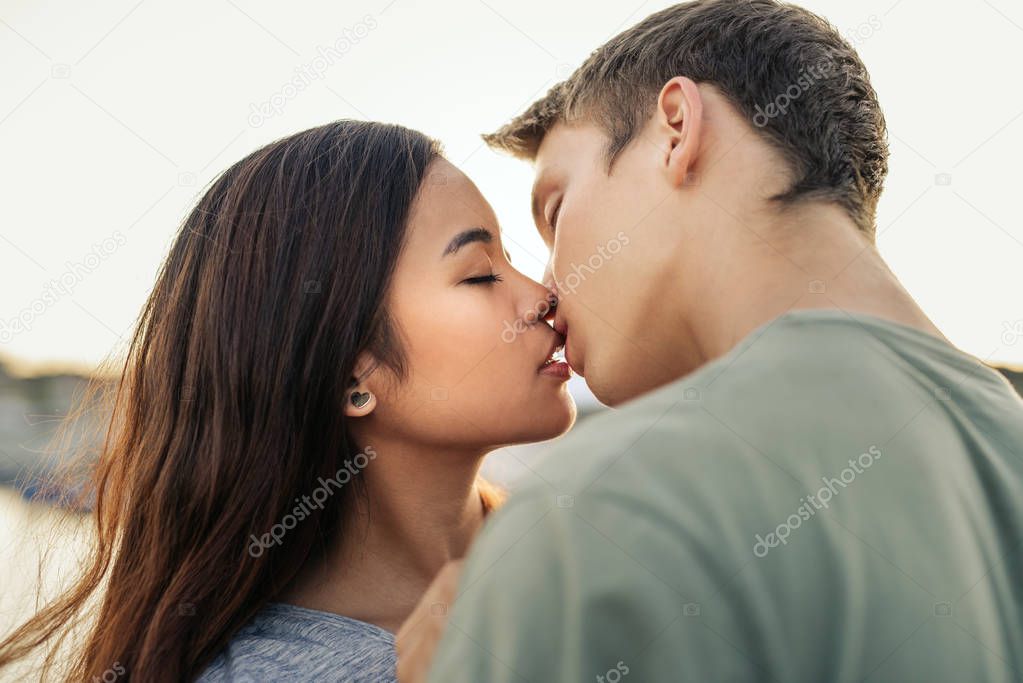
<point>290,643</point>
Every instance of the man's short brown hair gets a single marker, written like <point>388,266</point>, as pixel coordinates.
<point>787,70</point>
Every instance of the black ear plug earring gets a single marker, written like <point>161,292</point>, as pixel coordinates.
<point>360,399</point>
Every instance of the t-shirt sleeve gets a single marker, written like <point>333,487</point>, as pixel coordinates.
<point>551,592</point>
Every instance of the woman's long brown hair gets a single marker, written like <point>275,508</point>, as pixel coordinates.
<point>230,401</point>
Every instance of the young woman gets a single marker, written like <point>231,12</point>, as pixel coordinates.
<point>294,450</point>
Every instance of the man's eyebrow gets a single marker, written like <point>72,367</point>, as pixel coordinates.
<point>465,237</point>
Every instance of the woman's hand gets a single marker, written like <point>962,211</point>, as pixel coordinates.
<point>418,637</point>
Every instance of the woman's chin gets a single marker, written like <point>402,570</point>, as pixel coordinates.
<point>557,419</point>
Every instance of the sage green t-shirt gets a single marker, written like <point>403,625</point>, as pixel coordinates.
<point>839,498</point>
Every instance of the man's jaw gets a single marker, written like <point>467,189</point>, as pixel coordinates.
<point>573,362</point>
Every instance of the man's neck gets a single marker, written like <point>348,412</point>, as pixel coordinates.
<point>816,260</point>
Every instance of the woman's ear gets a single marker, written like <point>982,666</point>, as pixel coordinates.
<point>360,399</point>
<point>680,113</point>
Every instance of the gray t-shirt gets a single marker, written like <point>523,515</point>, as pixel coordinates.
<point>839,498</point>
<point>289,643</point>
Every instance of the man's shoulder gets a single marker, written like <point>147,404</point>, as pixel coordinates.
<point>691,472</point>
<point>680,415</point>
<point>785,392</point>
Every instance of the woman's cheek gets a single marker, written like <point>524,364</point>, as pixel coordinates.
<point>464,336</point>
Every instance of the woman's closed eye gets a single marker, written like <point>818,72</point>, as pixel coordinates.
<point>483,279</point>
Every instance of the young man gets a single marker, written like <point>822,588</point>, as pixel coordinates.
<point>804,480</point>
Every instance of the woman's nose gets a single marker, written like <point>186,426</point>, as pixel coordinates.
<point>552,304</point>
<point>539,304</point>
<point>552,286</point>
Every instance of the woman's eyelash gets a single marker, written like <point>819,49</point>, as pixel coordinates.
<point>483,279</point>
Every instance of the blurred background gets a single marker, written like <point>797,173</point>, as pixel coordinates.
<point>114,115</point>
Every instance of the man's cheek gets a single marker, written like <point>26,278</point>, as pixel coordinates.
<point>571,272</point>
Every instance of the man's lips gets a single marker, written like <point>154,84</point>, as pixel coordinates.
<point>561,327</point>
<point>572,362</point>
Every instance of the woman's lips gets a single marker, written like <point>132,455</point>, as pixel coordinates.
<point>555,364</point>
<point>557,369</point>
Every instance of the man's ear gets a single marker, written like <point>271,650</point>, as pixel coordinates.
<point>360,400</point>
<point>679,114</point>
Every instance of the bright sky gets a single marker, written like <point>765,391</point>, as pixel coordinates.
<point>113,115</point>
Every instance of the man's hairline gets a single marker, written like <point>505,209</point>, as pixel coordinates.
<point>564,123</point>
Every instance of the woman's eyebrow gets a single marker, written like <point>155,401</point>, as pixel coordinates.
<point>465,237</point>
